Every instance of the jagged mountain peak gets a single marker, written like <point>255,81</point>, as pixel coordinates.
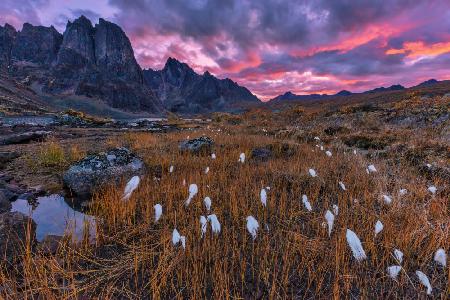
<point>182,90</point>
<point>174,65</point>
<point>82,20</point>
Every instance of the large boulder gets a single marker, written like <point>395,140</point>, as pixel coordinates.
<point>199,145</point>
<point>96,170</point>
<point>15,228</point>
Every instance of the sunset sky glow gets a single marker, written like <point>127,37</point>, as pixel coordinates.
<point>273,46</point>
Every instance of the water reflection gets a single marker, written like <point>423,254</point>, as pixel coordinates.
<point>54,216</point>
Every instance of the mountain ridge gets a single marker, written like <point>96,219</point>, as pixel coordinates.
<point>98,61</point>
<point>183,90</point>
<point>395,87</point>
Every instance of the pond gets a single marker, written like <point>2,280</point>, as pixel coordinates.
<point>53,216</point>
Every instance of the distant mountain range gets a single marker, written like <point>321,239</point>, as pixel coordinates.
<point>98,62</point>
<point>397,87</point>
<point>180,89</point>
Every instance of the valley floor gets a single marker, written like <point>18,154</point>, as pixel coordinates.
<point>312,178</point>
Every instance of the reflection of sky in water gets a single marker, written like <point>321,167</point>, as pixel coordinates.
<point>54,216</point>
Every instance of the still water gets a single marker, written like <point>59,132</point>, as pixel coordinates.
<point>54,216</point>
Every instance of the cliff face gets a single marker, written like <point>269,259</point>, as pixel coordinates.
<point>36,44</point>
<point>182,90</point>
<point>77,49</point>
<point>114,54</point>
<point>7,37</point>
<point>86,60</point>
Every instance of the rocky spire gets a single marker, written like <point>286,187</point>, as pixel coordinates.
<point>77,49</point>
<point>114,54</point>
<point>37,44</point>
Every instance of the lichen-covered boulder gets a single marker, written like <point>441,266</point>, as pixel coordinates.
<point>199,145</point>
<point>96,170</point>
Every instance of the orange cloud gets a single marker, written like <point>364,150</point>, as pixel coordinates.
<point>420,49</point>
<point>351,40</point>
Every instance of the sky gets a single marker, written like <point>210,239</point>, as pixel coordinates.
<point>273,46</point>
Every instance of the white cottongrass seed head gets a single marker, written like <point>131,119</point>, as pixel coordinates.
<point>378,227</point>
<point>175,237</point>
<point>441,257</point>
<point>263,196</point>
<point>312,173</point>
<point>158,211</point>
<point>335,209</point>
<point>398,255</point>
<point>330,221</point>
<point>193,190</point>
<point>306,203</point>
<point>424,280</point>
<point>387,199</point>
<point>207,201</point>
<point>130,187</point>
<point>355,245</point>
<point>432,189</point>
<point>252,226</point>
<point>215,225</point>
<point>203,225</point>
<point>393,271</point>
<point>371,168</point>
<point>242,158</point>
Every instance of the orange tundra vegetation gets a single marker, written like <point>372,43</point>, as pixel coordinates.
<point>292,255</point>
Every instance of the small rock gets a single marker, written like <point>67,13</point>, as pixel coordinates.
<point>13,234</point>
<point>199,145</point>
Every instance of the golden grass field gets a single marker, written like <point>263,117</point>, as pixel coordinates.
<point>292,257</point>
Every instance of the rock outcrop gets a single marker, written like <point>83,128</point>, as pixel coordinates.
<point>36,44</point>
<point>7,38</point>
<point>113,53</point>
<point>201,145</point>
<point>96,170</point>
<point>77,49</point>
<point>99,62</point>
<point>182,90</point>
